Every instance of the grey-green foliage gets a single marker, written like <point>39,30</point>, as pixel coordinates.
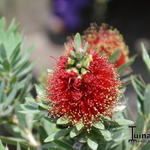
<point>2,147</point>
<point>15,68</point>
<point>143,104</point>
<point>15,83</point>
<point>26,124</point>
<point>44,126</point>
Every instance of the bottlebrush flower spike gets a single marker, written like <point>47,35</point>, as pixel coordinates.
<point>107,40</point>
<point>83,87</point>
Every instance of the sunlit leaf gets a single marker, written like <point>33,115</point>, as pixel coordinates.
<point>146,57</point>
<point>77,41</point>
<point>92,144</point>
<point>1,146</point>
<point>147,101</point>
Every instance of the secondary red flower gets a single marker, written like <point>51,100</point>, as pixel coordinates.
<point>83,87</point>
<point>107,40</point>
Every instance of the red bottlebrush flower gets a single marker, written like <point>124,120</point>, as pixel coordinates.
<point>83,87</point>
<point>108,40</point>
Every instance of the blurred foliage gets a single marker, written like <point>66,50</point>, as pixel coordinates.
<point>2,147</point>
<point>15,77</point>
<point>143,103</point>
<point>15,80</point>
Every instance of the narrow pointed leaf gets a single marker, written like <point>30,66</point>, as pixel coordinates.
<point>92,144</point>
<point>147,101</point>
<point>146,57</point>
<point>77,41</point>
<point>1,146</point>
<point>18,146</point>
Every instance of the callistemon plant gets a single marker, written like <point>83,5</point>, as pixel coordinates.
<point>84,91</point>
<point>105,39</point>
<point>83,87</point>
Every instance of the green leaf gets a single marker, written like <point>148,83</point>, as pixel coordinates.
<point>73,53</point>
<point>1,69</point>
<point>147,101</point>
<point>114,57</point>
<point>22,63</point>
<point>3,54</point>
<point>6,148</point>
<point>13,27</point>
<point>106,134</point>
<point>57,135</point>
<point>77,41</point>
<point>85,46</point>
<point>39,90</point>
<point>25,89</point>
<point>109,123</point>
<point>50,146</point>
<point>92,144</point>
<point>50,138</point>
<point>145,146</point>
<point>28,109</point>
<point>30,106</point>
<point>15,53</point>
<point>99,125</point>
<point>6,65</point>
<point>83,139</point>
<point>126,65</point>
<point>138,90</point>
<point>119,135</point>
<point>14,141</point>
<point>7,111</point>
<point>53,148</point>
<point>22,83</point>
<point>63,144</point>
<point>20,117</point>
<point>139,123</point>
<point>31,101</point>
<point>49,127</point>
<point>62,121</point>
<point>19,68</point>
<point>79,126</point>
<point>2,87</point>
<point>123,122</point>
<point>1,146</point>
<point>11,97</point>
<point>26,70</point>
<point>13,60</point>
<point>2,23</point>
<point>74,132</point>
<point>18,146</point>
<point>146,57</point>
